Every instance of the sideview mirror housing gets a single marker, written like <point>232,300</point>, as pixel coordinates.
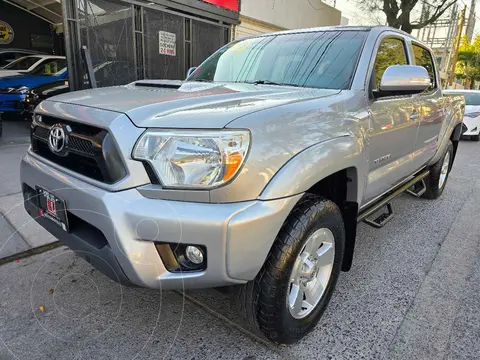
<point>191,71</point>
<point>405,78</point>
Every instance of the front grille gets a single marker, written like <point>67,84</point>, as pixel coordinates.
<point>81,145</point>
<point>88,150</point>
<point>41,132</point>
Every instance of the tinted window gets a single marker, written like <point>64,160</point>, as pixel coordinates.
<point>23,63</point>
<point>49,67</point>
<point>472,98</point>
<point>317,59</point>
<point>390,52</point>
<point>6,58</point>
<point>423,58</point>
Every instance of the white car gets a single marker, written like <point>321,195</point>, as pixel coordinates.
<point>471,118</point>
<point>27,64</point>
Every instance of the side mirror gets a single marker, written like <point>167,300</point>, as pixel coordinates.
<point>405,78</point>
<point>191,71</point>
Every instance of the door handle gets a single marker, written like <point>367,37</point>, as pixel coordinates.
<point>414,116</point>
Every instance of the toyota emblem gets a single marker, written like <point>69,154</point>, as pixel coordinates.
<point>56,138</point>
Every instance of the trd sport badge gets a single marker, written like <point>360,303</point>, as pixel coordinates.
<point>6,33</point>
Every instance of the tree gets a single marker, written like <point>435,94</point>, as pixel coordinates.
<point>468,64</point>
<point>399,12</point>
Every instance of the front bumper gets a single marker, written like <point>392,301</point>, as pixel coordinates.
<point>117,231</point>
<point>12,103</point>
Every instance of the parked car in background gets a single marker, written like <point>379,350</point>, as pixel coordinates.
<point>13,89</point>
<point>471,118</point>
<point>254,171</point>
<point>37,94</point>
<point>29,64</point>
<point>106,72</point>
<point>9,54</point>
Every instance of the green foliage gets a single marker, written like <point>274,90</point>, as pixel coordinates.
<point>468,64</point>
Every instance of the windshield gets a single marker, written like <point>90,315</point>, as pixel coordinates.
<point>317,59</point>
<point>472,98</point>
<point>23,63</point>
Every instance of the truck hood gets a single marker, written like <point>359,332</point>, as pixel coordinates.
<point>189,105</point>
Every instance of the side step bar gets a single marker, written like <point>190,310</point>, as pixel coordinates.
<point>386,217</point>
<point>418,189</point>
<point>382,219</point>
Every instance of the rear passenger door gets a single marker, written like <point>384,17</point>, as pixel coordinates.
<point>393,126</point>
<point>430,105</point>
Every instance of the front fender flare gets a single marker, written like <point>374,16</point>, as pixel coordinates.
<point>317,162</point>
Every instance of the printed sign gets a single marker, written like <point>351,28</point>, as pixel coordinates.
<point>226,4</point>
<point>6,33</point>
<point>167,43</point>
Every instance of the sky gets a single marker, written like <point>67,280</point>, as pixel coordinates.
<point>350,10</point>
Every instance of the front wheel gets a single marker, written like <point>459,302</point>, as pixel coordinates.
<point>289,295</point>
<point>435,181</point>
<point>475,137</point>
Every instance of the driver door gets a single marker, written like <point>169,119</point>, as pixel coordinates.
<point>393,125</point>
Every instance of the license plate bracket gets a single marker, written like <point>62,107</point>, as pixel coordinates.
<point>52,208</point>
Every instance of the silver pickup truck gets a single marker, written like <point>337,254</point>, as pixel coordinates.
<point>254,171</point>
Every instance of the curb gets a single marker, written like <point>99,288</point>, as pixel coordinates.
<point>30,252</point>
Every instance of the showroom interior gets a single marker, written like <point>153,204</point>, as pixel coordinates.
<point>121,40</point>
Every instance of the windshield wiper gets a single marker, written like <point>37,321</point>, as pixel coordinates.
<point>264,82</point>
<point>268,82</point>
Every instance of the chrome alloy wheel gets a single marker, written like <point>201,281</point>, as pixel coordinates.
<point>444,171</point>
<point>311,273</point>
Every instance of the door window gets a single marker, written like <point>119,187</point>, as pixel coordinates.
<point>390,52</point>
<point>23,63</point>
<point>49,67</point>
<point>424,58</point>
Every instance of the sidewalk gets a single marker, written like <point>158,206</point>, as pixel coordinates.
<point>18,232</point>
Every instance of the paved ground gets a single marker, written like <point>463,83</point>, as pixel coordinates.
<point>413,293</point>
<point>16,234</point>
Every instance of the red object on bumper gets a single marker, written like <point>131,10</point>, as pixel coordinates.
<point>226,4</point>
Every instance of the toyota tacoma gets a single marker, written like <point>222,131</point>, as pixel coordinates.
<point>254,171</point>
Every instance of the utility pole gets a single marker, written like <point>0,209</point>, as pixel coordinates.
<point>456,44</point>
<point>470,21</point>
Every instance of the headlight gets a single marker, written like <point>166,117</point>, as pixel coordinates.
<point>473,115</point>
<point>193,159</point>
<point>16,90</point>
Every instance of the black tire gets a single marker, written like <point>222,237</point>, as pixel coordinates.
<point>432,181</point>
<point>262,301</point>
<point>475,137</point>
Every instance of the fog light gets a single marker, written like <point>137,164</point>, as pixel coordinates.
<point>194,254</point>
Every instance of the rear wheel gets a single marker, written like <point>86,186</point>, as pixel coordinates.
<point>437,179</point>
<point>475,137</point>
<point>291,292</point>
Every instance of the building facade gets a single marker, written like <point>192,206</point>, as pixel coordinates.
<point>263,16</point>
<point>158,39</point>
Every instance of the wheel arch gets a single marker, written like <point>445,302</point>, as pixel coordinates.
<point>332,169</point>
